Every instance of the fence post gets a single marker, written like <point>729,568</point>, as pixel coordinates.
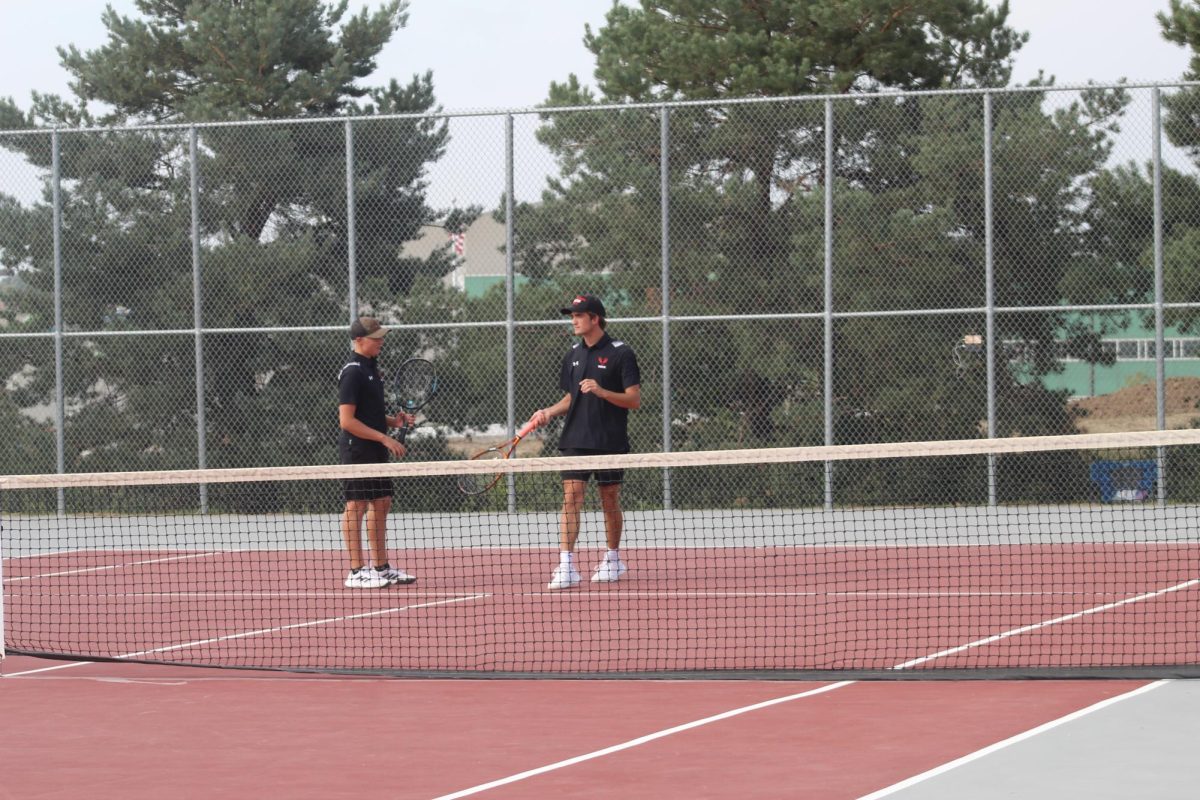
<point>664,165</point>
<point>197,314</point>
<point>1160,369</point>
<point>60,394</point>
<point>989,338</point>
<point>828,298</point>
<point>510,316</point>
<point>351,241</point>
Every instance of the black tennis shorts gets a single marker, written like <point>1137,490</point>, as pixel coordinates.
<point>360,452</point>
<point>604,477</point>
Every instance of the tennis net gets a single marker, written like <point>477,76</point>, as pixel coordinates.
<point>1028,556</point>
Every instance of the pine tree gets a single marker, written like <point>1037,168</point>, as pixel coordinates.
<point>747,215</point>
<point>273,221</point>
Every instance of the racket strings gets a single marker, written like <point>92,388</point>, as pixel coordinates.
<point>416,383</point>
<point>480,482</point>
<point>475,484</point>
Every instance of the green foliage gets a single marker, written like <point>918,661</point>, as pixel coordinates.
<point>1181,253</point>
<point>273,226</point>
<point>746,199</point>
<point>213,59</point>
<point>29,445</point>
<point>1129,202</point>
<point>730,48</point>
<point>746,186</point>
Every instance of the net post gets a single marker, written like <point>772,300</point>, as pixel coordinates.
<point>197,312</point>
<point>664,201</point>
<point>510,323</point>
<point>1160,367</point>
<point>989,341</point>
<point>60,413</point>
<point>828,317</point>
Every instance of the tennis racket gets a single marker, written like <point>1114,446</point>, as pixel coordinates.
<point>412,389</point>
<point>480,482</point>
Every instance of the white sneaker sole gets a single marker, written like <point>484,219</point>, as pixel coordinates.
<point>365,585</point>
<point>599,577</point>
<point>557,585</point>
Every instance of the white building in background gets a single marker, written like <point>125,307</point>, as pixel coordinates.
<point>478,253</point>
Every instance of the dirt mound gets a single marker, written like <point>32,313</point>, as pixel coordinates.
<point>1182,397</point>
<point>1133,408</point>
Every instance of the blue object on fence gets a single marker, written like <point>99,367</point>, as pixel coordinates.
<point>1124,481</point>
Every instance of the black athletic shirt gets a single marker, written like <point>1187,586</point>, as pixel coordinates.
<point>592,423</point>
<point>361,385</point>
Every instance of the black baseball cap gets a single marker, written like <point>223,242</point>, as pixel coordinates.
<point>368,328</point>
<point>586,303</point>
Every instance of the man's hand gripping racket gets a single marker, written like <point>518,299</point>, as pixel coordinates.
<point>480,482</point>
<point>414,386</point>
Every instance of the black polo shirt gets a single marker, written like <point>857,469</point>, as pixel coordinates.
<point>592,423</point>
<point>361,385</point>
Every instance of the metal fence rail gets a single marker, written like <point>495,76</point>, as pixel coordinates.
<point>784,266</point>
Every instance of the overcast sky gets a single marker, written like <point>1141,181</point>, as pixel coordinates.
<point>488,54</point>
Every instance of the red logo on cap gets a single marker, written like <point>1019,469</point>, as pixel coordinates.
<point>580,299</point>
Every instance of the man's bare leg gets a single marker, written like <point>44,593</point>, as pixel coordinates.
<point>614,520</point>
<point>377,529</point>
<point>573,492</point>
<point>352,531</point>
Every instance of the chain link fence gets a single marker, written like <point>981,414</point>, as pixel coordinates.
<point>817,270</point>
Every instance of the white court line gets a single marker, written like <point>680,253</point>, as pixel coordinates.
<point>117,566</point>
<point>260,632</point>
<point>1172,543</point>
<point>1036,540</point>
<point>738,711</point>
<point>617,594</point>
<point>1047,623</point>
<point>1020,737</point>
<point>237,595</point>
<point>47,553</point>
<point>594,595</point>
<point>67,665</point>
<point>616,748</point>
<point>659,734</point>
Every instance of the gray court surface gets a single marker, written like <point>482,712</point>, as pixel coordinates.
<point>1142,747</point>
<point>801,527</point>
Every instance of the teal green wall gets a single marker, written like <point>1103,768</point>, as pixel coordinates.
<point>478,285</point>
<point>1134,346</point>
<point>1077,379</point>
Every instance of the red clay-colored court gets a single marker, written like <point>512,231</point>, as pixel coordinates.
<point>138,730</point>
<point>147,731</point>
<point>869,608</point>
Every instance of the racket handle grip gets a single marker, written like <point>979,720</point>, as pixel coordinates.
<point>401,434</point>
<point>526,429</point>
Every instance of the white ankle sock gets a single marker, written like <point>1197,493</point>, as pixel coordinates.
<point>566,557</point>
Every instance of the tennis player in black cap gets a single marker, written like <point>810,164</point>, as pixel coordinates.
<point>600,383</point>
<point>363,440</point>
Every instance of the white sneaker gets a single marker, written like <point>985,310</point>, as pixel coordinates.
<point>365,579</point>
<point>565,576</point>
<point>394,576</point>
<point>609,571</point>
